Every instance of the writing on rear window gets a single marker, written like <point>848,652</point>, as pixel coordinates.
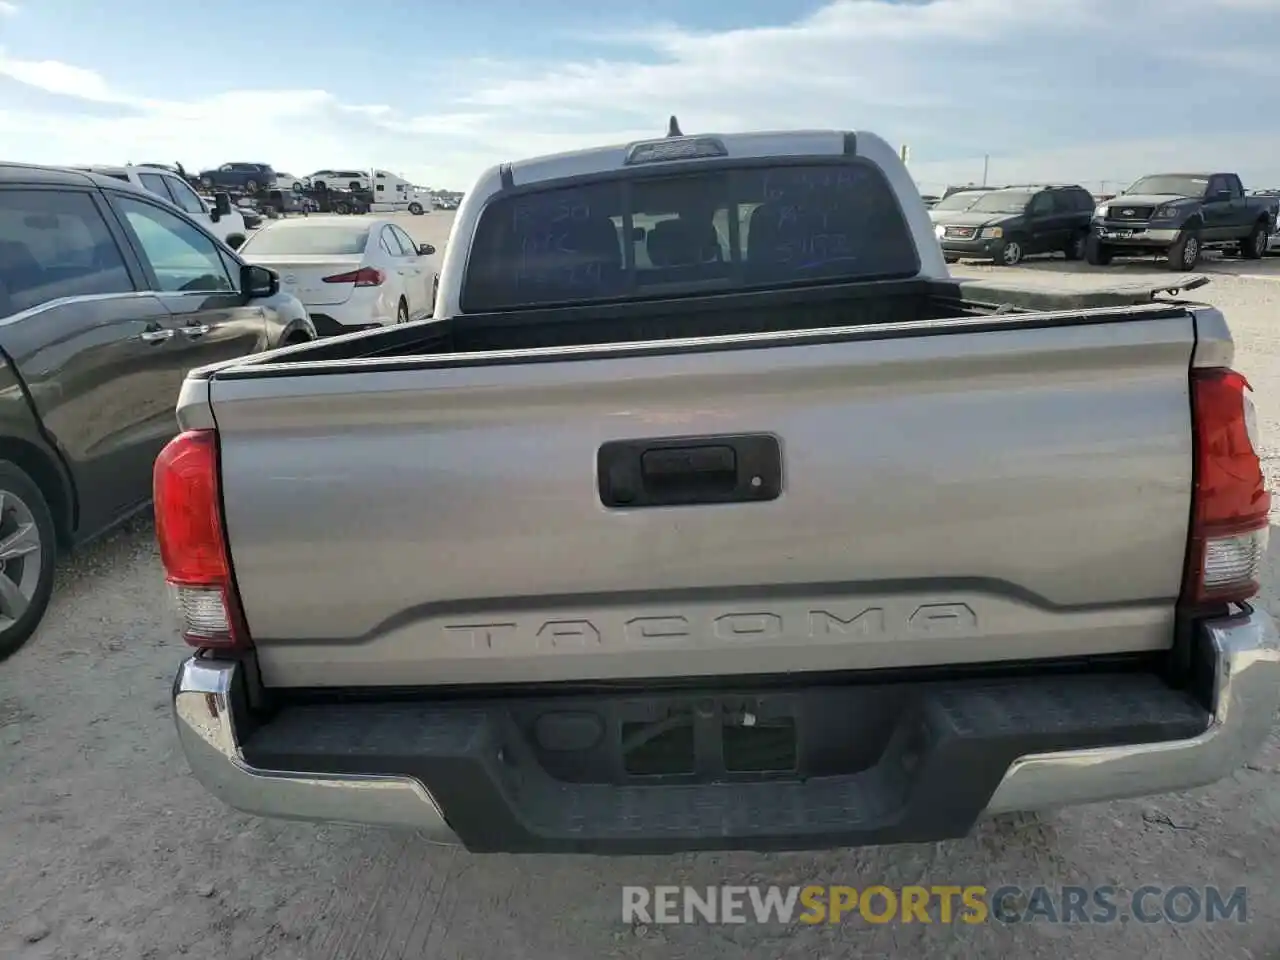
<point>709,231</point>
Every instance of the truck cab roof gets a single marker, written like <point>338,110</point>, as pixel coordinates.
<point>729,146</point>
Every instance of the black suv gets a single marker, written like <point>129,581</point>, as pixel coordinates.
<point>109,294</point>
<point>1013,222</point>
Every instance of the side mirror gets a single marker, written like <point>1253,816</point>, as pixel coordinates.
<point>258,281</point>
<point>221,206</point>
<point>425,249</point>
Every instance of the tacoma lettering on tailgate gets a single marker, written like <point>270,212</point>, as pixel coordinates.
<point>723,629</point>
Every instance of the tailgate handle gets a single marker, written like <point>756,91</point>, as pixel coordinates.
<point>687,471</point>
<point>676,463</point>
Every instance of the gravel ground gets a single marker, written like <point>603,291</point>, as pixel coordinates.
<point>111,850</point>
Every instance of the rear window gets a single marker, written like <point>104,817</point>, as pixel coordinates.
<point>340,239</point>
<point>711,231</point>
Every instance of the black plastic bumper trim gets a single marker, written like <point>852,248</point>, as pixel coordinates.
<point>940,761</point>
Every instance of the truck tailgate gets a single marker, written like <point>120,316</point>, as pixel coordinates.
<point>963,497</point>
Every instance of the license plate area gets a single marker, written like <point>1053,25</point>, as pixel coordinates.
<point>733,736</point>
<point>709,737</point>
<point>1119,234</point>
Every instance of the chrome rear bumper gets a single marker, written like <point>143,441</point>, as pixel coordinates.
<point>203,708</point>
<point>1246,694</point>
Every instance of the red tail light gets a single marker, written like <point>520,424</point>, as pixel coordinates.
<point>364,277</point>
<point>1230,502</point>
<point>193,548</point>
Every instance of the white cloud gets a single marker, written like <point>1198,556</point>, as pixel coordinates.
<point>1088,90</point>
<point>55,77</point>
<point>8,9</point>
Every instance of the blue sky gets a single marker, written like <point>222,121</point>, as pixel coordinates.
<point>1097,91</point>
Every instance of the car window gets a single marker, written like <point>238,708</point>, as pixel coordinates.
<point>226,168</point>
<point>1172,184</point>
<point>638,235</point>
<point>1002,201</point>
<point>960,200</point>
<point>232,266</point>
<point>1221,183</point>
<point>154,183</point>
<point>1041,204</point>
<point>185,197</point>
<point>315,237</point>
<point>403,243</point>
<point>406,241</point>
<point>1064,201</point>
<point>183,258</point>
<point>389,244</point>
<point>54,245</point>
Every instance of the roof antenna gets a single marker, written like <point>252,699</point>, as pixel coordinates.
<point>673,128</point>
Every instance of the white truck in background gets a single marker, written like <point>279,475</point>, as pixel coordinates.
<point>390,192</point>
<point>218,215</point>
<point>394,194</point>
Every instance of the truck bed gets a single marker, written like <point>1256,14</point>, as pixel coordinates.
<point>855,305</point>
<point>959,481</point>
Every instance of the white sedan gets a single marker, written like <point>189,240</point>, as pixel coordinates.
<point>351,273</point>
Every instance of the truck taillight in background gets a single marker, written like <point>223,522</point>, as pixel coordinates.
<point>193,547</point>
<point>1230,502</point>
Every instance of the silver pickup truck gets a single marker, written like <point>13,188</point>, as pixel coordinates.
<point>709,511</point>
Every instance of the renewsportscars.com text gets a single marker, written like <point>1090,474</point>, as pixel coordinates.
<point>971,904</point>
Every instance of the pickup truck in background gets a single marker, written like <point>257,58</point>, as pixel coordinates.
<point>1179,216</point>
<point>709,511</point>
<point>1272,196</point>
<point>109,294</point>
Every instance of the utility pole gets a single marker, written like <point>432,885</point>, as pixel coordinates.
<point>986,165</point>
